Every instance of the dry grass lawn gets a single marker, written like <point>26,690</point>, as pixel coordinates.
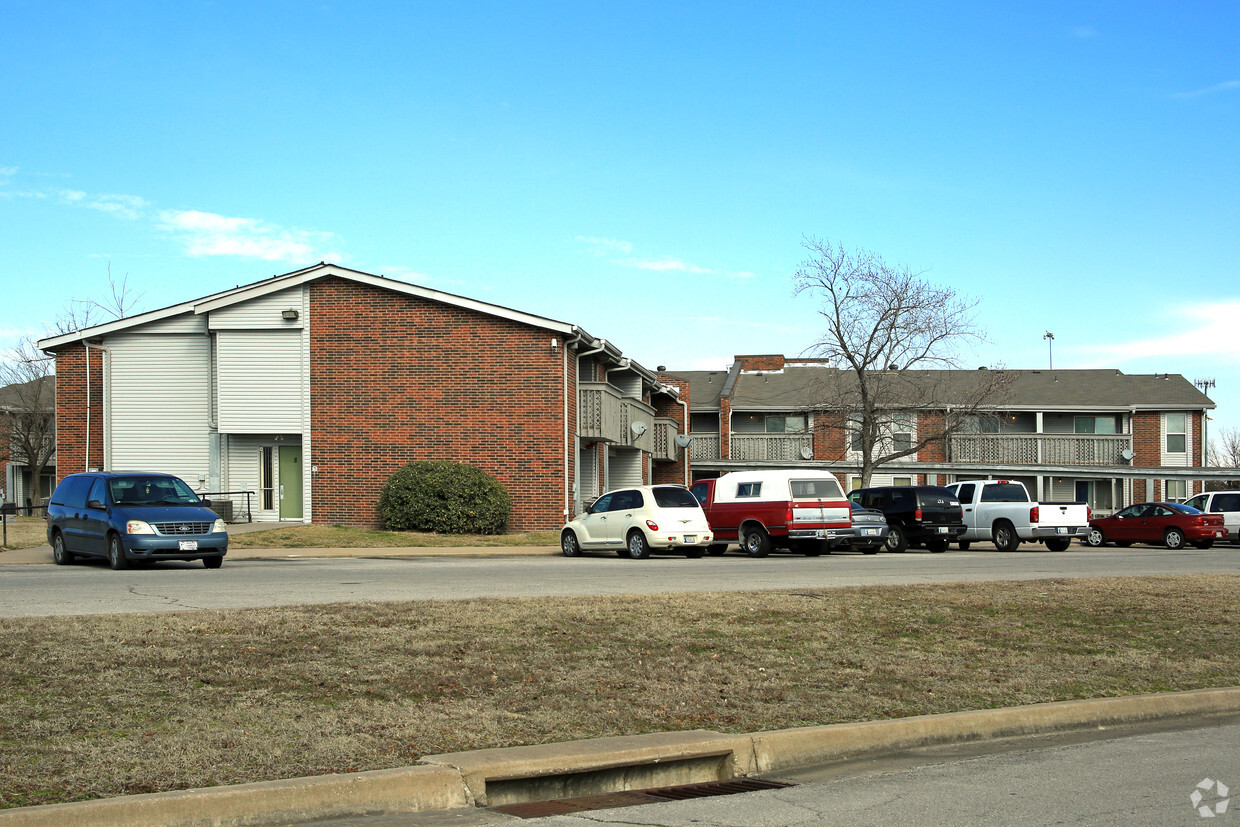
<point>23,532</point>
<point>108,705</point>
<point>317,536</point>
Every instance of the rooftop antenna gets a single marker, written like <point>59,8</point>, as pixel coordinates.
<point>1205,385</point>
<point>1050,353</point>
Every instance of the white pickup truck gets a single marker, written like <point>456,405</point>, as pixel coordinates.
<point>1001,511</point>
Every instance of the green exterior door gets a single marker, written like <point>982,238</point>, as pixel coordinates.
<point>290,482</point>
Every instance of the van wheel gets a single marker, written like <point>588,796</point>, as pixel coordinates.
<point>897,540</point>
<point>756,542</point>
<point>60,554</point>
<point>637,547</point>
<point>116,553</point>
<point>1004,536</point>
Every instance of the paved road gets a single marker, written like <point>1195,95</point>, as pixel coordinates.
<point>1142,775</point>
<point>1140,779</point>
<point>92,588</point>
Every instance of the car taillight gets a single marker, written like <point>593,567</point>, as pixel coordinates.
<point>1089,513</point>
<point>1033,514</point>
<point>652,525</point>
<point>917,515</point>
<point>788,517</point>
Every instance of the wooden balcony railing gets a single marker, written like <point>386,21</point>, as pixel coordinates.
<point>1040,449</point>
<point>665,431</point>
<point>605,415</point>
<point>771,447</point>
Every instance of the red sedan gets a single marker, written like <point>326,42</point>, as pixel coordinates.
<point>1168,524</point>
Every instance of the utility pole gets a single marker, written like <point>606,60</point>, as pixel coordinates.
<point>1050,354</point>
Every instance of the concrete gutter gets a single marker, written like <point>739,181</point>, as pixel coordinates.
<point>495,776</point>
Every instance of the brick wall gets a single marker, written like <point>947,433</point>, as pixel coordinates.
<point>1146,439</point>
<point>666,406</point>
<point>71,437</point>
<point>765,361</point>
<point>395,379</point>
<point>830,436</point>
<point>932,422</point>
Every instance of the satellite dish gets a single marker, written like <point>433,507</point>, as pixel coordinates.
<point>683,440</point>
<point>638,428</point>
<point>1127,454</point>
<point>807,452</point>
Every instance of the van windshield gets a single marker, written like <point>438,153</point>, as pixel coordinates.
<point>823,489</point>
<point>139,491</point>
<point>674,498</point>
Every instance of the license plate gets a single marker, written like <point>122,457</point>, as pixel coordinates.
<point>189,545</point>
<point>942,529</point>
<point>871,532</point>
<point>690,539</point>
<point>1061,530</point>
<point>1218,534</point>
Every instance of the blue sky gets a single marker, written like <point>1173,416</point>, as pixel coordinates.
<point>644,170</point>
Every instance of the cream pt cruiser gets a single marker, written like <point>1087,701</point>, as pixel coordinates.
<point>640,520</point>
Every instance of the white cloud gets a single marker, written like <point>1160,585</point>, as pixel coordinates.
<point>605,246</point>
<point>211,234</point>
<point>665,265</point>
<point>122,206</point>
<point>1225,86</point>
<point>1202,331</point>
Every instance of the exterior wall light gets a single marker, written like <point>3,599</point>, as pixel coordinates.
<point>291,315</point>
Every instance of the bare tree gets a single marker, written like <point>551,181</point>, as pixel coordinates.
<point>28,412</point>
<point>895,339</point>
<point>1224,451</point>
<point>82,313</point>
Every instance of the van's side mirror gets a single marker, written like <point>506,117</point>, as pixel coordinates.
<point>95,504</point>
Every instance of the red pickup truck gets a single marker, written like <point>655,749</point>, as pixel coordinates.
<point>799,510</point>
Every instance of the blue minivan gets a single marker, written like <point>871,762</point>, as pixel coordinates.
<point>128,516</point>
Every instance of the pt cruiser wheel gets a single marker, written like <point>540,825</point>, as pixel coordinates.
<point>638,548</point>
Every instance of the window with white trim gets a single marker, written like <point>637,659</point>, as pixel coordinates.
<point>1177,490</point>
<point>1177,436</point>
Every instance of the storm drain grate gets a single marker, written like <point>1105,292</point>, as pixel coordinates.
<point>632,798</point>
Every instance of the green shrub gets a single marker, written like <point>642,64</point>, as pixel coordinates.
<point>444,497</point>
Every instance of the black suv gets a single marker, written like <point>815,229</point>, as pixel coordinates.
<point>915,514</point>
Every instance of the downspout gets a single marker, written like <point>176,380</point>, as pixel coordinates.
<point>568,493</point>
<point>685,405</point>
<point>598,346</point>
<point>87,345</point>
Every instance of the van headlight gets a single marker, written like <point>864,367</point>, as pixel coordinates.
<point>218,527</point>
<point>138,527</point>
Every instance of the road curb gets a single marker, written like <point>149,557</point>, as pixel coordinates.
<point>480,777</point>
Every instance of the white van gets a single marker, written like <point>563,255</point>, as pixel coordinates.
<point>1226,503</point>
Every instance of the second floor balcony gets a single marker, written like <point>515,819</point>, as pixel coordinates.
<point>604,414</point>
<point>756,447</point>
<point>1041,449</point>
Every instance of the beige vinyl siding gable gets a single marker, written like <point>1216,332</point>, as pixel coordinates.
<point>259,376</point>
<point>158,401</point>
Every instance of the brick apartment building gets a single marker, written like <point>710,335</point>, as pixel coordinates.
<point>1098,436</point>
<point>294,398</point>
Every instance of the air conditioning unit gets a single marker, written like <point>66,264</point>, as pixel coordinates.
<point>222,508</point>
